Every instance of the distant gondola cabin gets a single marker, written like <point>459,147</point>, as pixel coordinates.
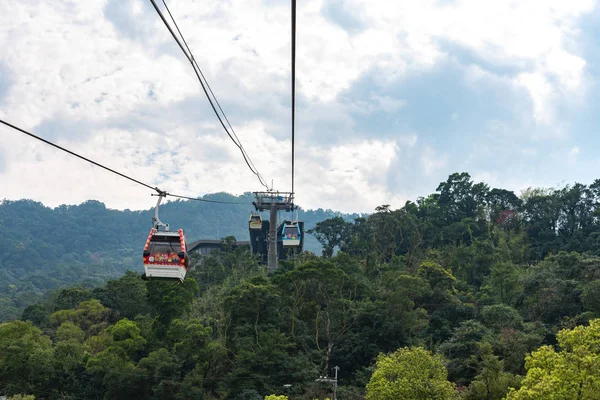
<point>255,221</point>
<point>290,235</point>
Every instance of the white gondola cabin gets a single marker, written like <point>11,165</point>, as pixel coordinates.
<point>290,234</point>
<point>165,255</point>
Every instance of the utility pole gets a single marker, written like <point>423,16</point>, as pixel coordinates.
<point>336,368</point>
<point>334,381</point>
<point>273,201</point>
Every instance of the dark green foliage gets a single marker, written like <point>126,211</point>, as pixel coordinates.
<point>69,298</point>
<point>477,276</point>
<point>500,317</point>
<point>127,294</point>
<point>591,297</point>
<point>333,233</point>
<point>491,383</point>
<point>25,356</point>
<point>170,300</point>
<point>35,313</point>
<point>461,350</point>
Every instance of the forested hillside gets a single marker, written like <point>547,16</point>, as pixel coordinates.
<point>471,292</point>
<point>44,248</point>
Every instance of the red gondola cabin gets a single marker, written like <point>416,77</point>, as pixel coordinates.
<point>165,255</point>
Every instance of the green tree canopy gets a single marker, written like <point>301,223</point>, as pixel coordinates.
<point>573,372</point>
<point>410,374</point>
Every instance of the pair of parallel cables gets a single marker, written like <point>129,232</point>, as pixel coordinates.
<point>204,83</point>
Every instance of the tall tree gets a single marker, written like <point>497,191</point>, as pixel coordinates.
<point>331,233</point>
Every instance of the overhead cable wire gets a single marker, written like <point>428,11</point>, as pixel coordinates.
<point>293,85</point>
<point>195,65</point>
<point>237,141</point>
<point>160,192</point>
<point>204,83</point>
<point>76,155</point>
<point>206,200</point>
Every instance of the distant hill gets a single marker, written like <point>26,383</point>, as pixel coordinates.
<point>44,248</point>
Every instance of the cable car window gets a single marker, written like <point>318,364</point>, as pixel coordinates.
<point>291,230</point>
<point>165,252</point>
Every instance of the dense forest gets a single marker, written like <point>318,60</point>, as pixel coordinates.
<point>471,292</point>
<point>45,249</point>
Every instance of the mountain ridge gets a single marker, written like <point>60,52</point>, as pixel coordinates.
<point>46,248</point>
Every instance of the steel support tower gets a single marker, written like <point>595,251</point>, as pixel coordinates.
<point>273,201</point>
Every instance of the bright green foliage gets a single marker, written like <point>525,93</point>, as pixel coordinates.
<point>571,373</point>
<point>275,397</point>
<point>22,397</point>
<point>411,374</point>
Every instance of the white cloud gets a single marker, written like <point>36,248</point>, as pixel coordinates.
<point>129,86</point>
<point>573,155</point>
<point>377,103</point>
<point>349,175</point>
<point>432,162</point>
<point>71,61</point>
<point>530,36</point>
<point>407,140</point>
<point>388,104</point>
<point>542,95</point>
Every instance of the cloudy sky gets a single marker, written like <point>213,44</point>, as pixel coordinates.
<point>393,96</point>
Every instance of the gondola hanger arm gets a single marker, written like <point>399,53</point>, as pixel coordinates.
<point>155,220</point>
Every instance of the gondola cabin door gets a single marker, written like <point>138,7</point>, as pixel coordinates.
<point>165,255</point>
